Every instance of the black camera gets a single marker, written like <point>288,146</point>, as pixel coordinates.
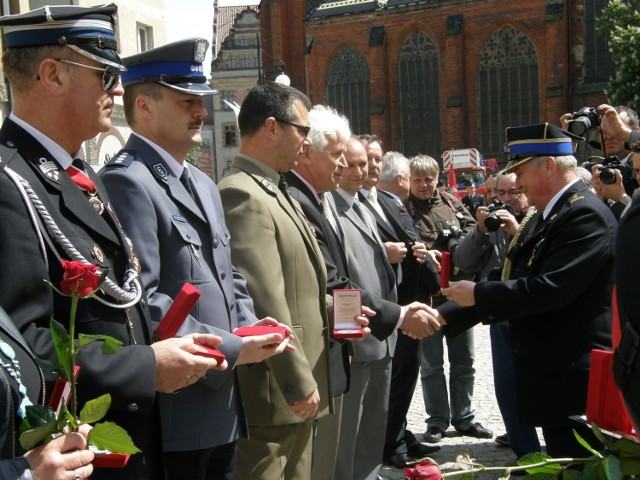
<point>492,222</point>
<point>450,233</point>
<point>608,171</point>
<point>583,120</point>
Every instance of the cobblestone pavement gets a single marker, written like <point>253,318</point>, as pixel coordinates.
<point>486,452</point>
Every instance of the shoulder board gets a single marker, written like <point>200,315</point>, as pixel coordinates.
<point>123,159</point>
<point>6,154</point>
<point>575,197</point>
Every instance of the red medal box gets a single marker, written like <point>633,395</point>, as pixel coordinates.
<point>252,330</point>
<point>176,315</point>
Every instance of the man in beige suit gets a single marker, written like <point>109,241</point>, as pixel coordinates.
<point>275,249</point>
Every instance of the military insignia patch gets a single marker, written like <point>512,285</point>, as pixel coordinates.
<point>200,51</point>
<point>49,169</point>
<point>575,197</point>
<point>268,186</point>
<point>160,171</point>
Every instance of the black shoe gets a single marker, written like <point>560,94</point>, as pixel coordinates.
<point>476,430</point>
<point>503,440</point>
<point>418,450</point>
<point>400,460</point>
<point>433,435</point>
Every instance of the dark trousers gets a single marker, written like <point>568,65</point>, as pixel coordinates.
<point>523,439</point>
<point>404,376</point>
<point>562,443</point>
<point>217,463</point>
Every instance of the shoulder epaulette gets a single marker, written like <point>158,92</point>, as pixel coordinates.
<point>575,197</point>
<point>124,158</point>
<point>6,153</point>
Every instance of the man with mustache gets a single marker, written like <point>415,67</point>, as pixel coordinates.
<point>173,213</point>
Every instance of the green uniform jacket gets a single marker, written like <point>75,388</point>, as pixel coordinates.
<point>275,250</point>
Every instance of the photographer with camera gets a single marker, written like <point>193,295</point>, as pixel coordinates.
<point>613,177</point>
<point>481,251</point>
<point>443,222</point>
<point>609,186</point>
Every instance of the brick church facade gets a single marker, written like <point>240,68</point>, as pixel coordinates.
<point>432,75</point>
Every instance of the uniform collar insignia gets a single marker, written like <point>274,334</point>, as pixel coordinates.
<point>49,169</point>
<point>268,185</point>
<point>575,197</point>
<point>161,171</point>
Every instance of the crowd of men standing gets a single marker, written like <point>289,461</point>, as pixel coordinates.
<point>306,209</point>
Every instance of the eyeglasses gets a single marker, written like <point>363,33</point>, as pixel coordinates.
<point>110,74</point>
<point>303,129</point>
<point>513,193</point>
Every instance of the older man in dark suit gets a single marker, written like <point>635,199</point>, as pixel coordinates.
<point>318,172</point>
<point>173,213</point>
<point>361,440</point>
<point>554,288</point>
<point>417,281</point>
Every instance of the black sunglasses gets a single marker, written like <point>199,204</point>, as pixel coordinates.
<point>110,74</point>
<point>303,129</point>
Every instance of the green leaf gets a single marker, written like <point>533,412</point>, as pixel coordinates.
<point>626,447</point>
<point>591,471</point>
<point>571,474</point>
<point>611,468</point>
<point>542,476</point>
<point>586,445</point>
<point>109,436</point>
<point>39,424</point>
<point>95,410</point>
<point>62,344</point>
<point>630,466</point>
<point>109,346</point>
<point>531,458</point>
<point>599,435</point>
<point>467,476</point>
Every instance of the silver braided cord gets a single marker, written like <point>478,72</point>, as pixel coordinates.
<point>130,292</point>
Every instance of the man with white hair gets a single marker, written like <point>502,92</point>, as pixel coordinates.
<point>554,288</point>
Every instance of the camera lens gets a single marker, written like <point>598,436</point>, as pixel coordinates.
<point>579,126</point>
<point>608,176</point>
<point>492,222</point>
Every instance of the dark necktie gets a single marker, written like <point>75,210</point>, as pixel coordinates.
<point>185,179</point>
<point>357,207</point>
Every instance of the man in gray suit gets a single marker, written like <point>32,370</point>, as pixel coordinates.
<point>364,411</point>
<point>173,214</point>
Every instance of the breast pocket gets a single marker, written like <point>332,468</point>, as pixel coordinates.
<point>190,256</point>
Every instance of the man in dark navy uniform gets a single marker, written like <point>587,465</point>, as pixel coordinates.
<point>64,73</point>
<point>554,287</point>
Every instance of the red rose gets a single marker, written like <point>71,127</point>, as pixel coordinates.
<point>79,278</point>
<point>423,471</point>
